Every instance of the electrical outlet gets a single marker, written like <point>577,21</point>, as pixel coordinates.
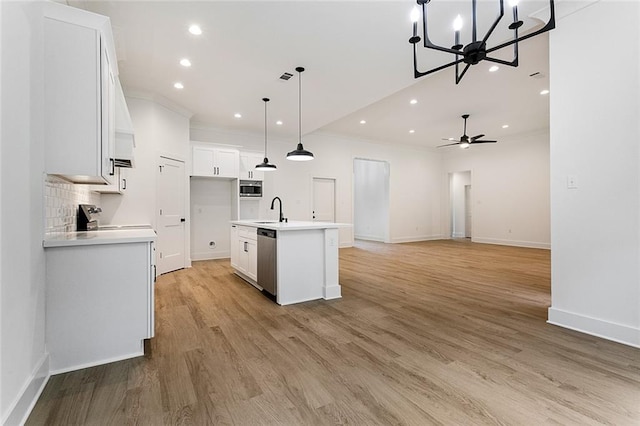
<point>572,182</point>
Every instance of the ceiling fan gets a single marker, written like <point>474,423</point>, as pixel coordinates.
<point>465,140</point>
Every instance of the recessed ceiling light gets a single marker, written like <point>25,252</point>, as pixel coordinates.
<point>195,30</point>
<point>279,122</point>
<point>178,85</point>
<point>413,101</point>
<point>363,122</point>
<point>544,92</point>
<point>237,115</point>
<point>185,62</point>
<point>412,131</point>
<point>494,68</point>
<point>504,126</point>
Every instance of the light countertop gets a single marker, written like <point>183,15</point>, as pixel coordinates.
<point>109,236</point>
<point>292,225</point>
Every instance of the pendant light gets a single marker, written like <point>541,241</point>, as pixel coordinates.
<point>300,154</point>
<point>265,166</point>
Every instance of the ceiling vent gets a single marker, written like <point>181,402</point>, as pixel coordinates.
<point>286,76</point>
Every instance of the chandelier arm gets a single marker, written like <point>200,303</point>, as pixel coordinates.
<point>417,73</point>
<point>427,41</point>
<point>513,63</point>
<point>551,24</point>
<point>464,71</point>
<point>495,23</point>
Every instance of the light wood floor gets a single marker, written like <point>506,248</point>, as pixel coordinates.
<point>443,332</point>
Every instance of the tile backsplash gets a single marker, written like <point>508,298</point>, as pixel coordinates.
<point>61,200</point>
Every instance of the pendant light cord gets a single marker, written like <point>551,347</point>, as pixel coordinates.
<point>299,105</point>
<point>265,126</point>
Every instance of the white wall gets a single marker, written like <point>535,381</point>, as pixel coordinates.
<point>24,359</point>
<point>595,110</point>
<point>510,190</point>
<point>457,193</point>
<point>370,199</point>
<point>211,201</point>
<point>159,130</point>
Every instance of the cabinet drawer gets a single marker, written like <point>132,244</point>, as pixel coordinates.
<point>247,232</point>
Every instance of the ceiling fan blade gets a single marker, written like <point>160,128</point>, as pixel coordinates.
<point>484,141</point>
<point>450,139</point>
<point>477,137</point>
<point>449,144</point>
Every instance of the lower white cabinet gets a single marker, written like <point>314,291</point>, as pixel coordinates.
<point>244,251</point>
<point>99,304</point>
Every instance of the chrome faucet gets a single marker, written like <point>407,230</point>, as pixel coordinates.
<point>282,218</point>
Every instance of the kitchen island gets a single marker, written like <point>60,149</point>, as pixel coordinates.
<point>306,258</point>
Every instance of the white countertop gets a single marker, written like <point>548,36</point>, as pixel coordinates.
<point>110,236</point>
<point>292,225</point>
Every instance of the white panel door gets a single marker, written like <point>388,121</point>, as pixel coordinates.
<point>324,200</point>
<point>171,215</point>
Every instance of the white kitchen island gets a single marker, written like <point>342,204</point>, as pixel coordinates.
<point>307,258</point>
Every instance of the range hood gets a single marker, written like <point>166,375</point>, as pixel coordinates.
<point>125,138</point>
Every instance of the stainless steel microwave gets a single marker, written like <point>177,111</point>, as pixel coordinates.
<point>250,188</point>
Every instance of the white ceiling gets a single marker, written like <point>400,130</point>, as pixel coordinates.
<point>358,66</point>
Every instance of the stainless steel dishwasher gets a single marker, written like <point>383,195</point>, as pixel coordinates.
<point>267,261</point>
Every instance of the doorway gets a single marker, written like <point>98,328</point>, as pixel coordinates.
<point>171,215</point>
<point>371,200</point>
<point>324,200</point>
<point>460,204</point>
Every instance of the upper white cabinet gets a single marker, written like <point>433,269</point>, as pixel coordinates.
<point>79,87</point>
<point>215,162</point>
<point>248,162</point>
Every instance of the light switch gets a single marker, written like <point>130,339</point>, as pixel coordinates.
<point>572,182</point>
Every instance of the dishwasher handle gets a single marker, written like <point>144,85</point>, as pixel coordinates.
<point>269,233</point>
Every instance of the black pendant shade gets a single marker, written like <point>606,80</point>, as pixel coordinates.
<point>265,166</point>
<point>299,154</point>
<point>476,50</point>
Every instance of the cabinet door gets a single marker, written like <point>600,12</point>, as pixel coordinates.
<point>252,260</point>
<point>108,126</point>
<point>226,160</point>
<point>235,246</point>
<point>72,101</point>
<point>243,257</point>
<point>118,187</point>
<point>248,162</point>
<point>203,161</point>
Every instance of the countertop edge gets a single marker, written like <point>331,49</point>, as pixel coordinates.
<point>290,226</point>
<point>89,238</point>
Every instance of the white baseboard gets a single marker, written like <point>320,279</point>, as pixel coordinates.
<point>369,238</point>
<point>100,362</point>
<point>619,333</point>
<point>332,292</point>
<point>515,243</point>
<point>210,255</point>
<point>417,238</point>
<point>20,409</point>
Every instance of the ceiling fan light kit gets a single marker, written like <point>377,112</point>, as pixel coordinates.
<point>265,166</point>
<point>299,154</point>
<point>476,50</point>
<point>465,141</point>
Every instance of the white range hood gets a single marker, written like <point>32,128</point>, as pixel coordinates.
<point>125,137</point>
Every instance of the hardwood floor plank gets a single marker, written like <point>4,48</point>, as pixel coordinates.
<point>437,332</point>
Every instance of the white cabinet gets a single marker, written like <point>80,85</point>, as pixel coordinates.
<point>96,312</point>
<point>244,251</point>
<point>215,162</point>
<point>79,95</point>
<point>118,187</point>
<point>248,162</point>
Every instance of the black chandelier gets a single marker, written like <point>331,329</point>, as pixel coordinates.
<point>475,51</point>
